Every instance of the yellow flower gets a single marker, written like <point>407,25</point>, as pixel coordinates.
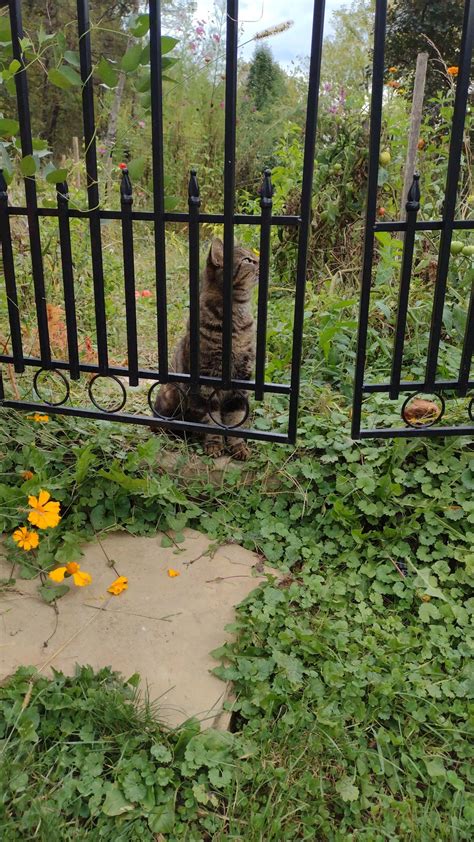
<point>80,578</point>
<point>172,573</point>
<point>453,71</point>
<point>256,251</point>
<point>119,585</point>
<point>38,418</point>
<point>25,539</point>
<point>27,475</point>
<point>43,514</point>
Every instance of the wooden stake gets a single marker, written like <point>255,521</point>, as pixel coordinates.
<point>415,126</point>
<point>77,160</point>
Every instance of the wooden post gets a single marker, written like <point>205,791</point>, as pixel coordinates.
<point>77,160</point>
<point>415,126</point>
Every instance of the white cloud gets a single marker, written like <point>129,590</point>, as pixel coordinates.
<point>256,15</point>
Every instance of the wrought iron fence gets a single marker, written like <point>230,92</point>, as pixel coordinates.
<point>431,424</point>
<point>73,368</point>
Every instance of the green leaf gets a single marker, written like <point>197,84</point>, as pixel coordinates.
<point>435,768</point>
<point>71,75</point>
<point>107,74</point>
<point>58,78</point>
<point>28,165</point>
<point>168,43</point>
<point>14,66</point>
<point>131,59</point>
<point>115,803</point>
<point>140,25</point>
<point>56,176</point>
<point>347,790</point>
<point>166,542</point>
<point>51,592</point>
<point>143,83</point>
<point>84,462</point>
<point>72,58</point>
<point>8,127</point>
<point>136,168</point>
<point>162,818</point>
<point>427,612</point>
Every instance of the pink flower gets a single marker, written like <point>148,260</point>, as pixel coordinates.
<point>146,293</point>
<point>222,104</point>
<point>199,30</point>
<point>216,37</point>
<point>142,124</point>
<point>102,150</point>
<point>192,46</point>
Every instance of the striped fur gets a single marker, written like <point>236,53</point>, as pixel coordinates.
<point>226,407</point>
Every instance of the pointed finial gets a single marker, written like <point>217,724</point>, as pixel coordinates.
<point>413,198</point>
<point>266,190</point>
<point>194,197</point>
<point>125,187</point>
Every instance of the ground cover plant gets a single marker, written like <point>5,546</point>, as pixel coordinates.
<point>353,672</point>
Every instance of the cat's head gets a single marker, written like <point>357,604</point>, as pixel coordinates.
<point>245,269</point>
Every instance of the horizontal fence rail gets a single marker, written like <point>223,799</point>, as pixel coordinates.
<point>425,406</point>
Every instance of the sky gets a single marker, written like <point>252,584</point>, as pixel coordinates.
<point>260,14</point>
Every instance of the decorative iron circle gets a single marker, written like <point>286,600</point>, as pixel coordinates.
<point>97,405</point>
<point>420,424</point>
<point>229,426</point>
<point>471,409</point>
<point>180,409</point>
<point>61,376</point>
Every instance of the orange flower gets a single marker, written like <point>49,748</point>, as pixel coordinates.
<point>393,84</point>
<point>43,514</point>
<point>453,71</point>
<point>393,69</point>
<point>79,577</point>
<point>38,418</point>
<point>27,474</point>
<point>172,573</point>
<point>25,539</point>
<point>119,585</point>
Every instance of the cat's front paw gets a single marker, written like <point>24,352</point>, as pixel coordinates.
<point>214,449</point>
<point>239,450</point>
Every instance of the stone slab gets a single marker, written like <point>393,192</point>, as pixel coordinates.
<point>161,627</point>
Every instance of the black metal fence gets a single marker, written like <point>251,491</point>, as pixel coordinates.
<point>74,368</point>
<point>430,385</point>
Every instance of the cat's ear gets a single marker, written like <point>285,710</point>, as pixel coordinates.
<point>216,253</point>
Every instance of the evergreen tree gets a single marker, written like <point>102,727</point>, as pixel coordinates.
<point>265,79</point>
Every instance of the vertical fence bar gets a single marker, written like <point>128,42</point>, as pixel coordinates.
<point>10,281</point>
<point>21,84</point>
<point>194,202</point>
<point>232,32</point>
<point>2,391</point>
<point>126,202</point>
<point>266,201</point>
<point>412,208</point>
<point>467,348</point>
<point>306,194</point>
<point>371,208</point>
<point>62,196</point>
<point>452,179</point>
<point>85,57</point>
<point>158,185</point>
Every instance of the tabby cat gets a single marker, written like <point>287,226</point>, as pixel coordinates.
<point>226,407</point>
